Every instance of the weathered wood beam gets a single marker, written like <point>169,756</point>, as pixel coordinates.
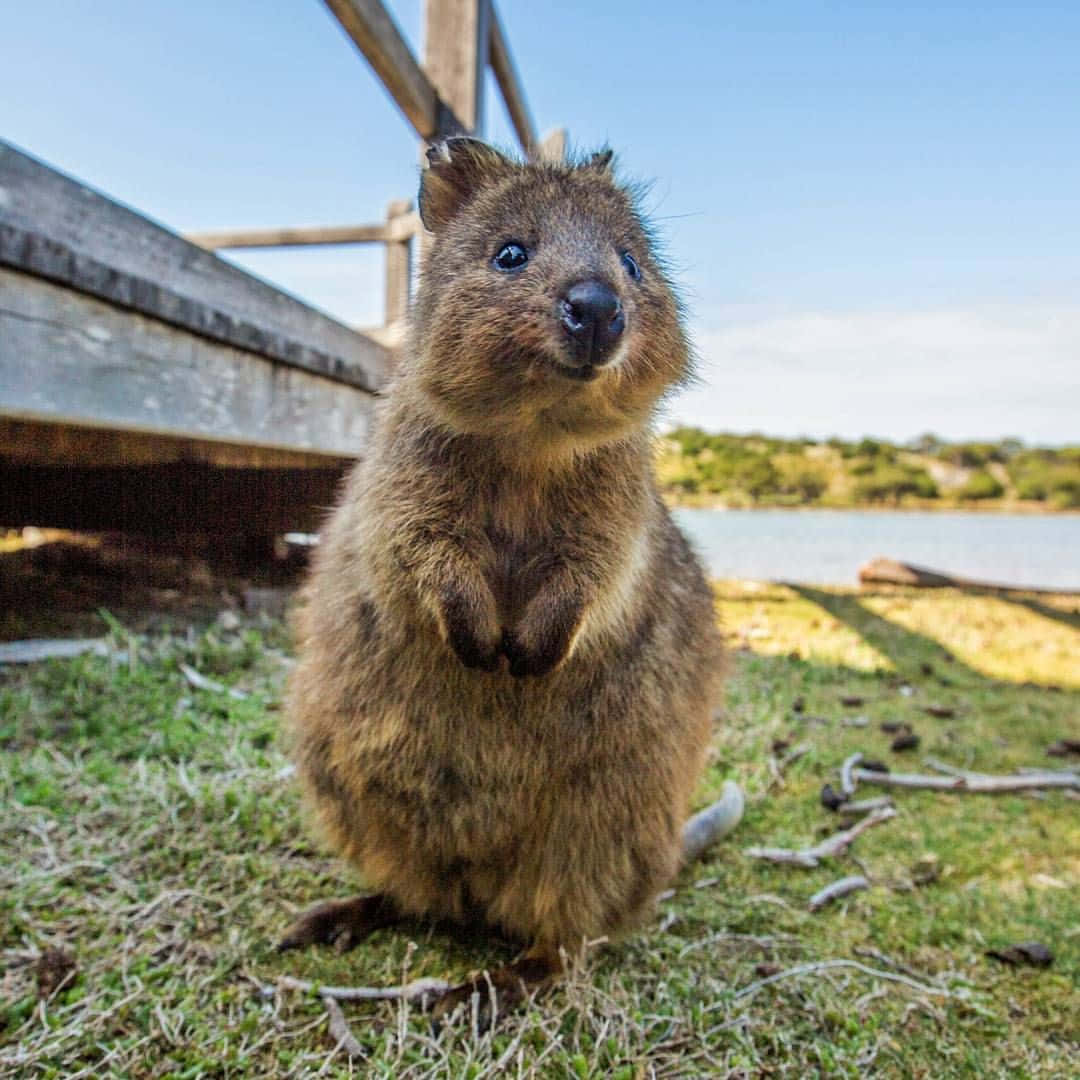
<point>398,265</point>
<point>374,32</point>
<point>54,227</point>
<point>48,442</point>
<point>457,43</point>
<point>290,236</point>
<point>510,85</point>
<point>70,358</point>
<point>553,145</point>
<point>165,500</point>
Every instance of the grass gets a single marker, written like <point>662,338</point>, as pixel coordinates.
<point>147,829</point>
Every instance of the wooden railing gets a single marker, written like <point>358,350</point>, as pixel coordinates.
<point>147,385</point>
<point>443,96</point>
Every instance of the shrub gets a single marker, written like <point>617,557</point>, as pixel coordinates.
<point>981,485</point>
<point>889,483</point>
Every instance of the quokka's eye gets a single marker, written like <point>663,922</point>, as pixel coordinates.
<point>512,256</point>
<point>630,266</point>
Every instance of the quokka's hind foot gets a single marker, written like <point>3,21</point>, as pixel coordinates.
<point>501,991</point>
<point>341,923</point>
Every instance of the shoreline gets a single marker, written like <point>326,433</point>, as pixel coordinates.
<point>1015,509</point>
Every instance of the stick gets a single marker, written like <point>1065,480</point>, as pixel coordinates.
<point>409,992</point>
<point>952,770</point>
<point>825,965</point>
<point>974,783</point>
<point>836,890</point>
<point>709,825</point>
<point>793,755</point>
<point>830,846</point>
<point>847,781</point>
<point>201,682</point>
<point>339,1030</point>
<point>876,954</point>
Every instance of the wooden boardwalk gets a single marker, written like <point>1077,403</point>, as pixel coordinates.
<point>147,385</point>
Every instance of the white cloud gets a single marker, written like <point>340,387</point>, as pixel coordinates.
<point>964,373</point>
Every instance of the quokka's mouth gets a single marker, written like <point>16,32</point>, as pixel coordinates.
<point>581,373</point>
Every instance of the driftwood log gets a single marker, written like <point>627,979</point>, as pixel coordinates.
<point>882,571</point>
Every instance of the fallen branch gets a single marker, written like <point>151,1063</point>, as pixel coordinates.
<point>418,988</point>
<point>952,770</point>
<point>829,847</point>
<point>847,781</point>
<point>339,1030</point>
<point>836,890</point>
<point>883,958</point>
<point>974,783</point>
<point>826,965</point>
<point>709,825</point>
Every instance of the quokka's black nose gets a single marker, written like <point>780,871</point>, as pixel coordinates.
<point>593,317</point>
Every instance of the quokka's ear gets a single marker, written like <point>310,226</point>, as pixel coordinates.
<point>457,167</point>
<point>601,162</point>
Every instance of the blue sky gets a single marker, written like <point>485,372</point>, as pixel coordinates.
<point>873,209</point>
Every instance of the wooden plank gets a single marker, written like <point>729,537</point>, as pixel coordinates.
<point>398,265</point>
<point>54,227</point>
<point>374,32</point>
<point>456,47</point>
<point>553,145</point>
<point>68,357</point>
<point>46,442</point>
<point>509,83</point>
<point>289,236</point>
<point>167,500</point>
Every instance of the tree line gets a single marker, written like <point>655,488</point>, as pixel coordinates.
<point>760,470</point>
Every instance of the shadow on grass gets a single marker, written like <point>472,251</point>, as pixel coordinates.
<point>1069,618</point>
<point>910,652</point>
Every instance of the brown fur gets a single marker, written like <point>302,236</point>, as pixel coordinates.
<point>508,660</point>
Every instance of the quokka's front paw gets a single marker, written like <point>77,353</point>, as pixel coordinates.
<point>472,629</point>
<point>542,639</point>
<point>525,661</point>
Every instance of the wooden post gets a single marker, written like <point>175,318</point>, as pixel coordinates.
<point>398,264</point>
<point>457,35</point>
<point>509,83</point>
<point>553,146</point>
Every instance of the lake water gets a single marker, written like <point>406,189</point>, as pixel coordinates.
<point>827,547</point>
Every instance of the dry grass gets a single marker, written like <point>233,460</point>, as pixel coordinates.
<point>147,830</point>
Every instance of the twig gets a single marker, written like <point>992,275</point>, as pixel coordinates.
<point>339,1030</point>
<point>418,988</point>
<point>951,770</point>
<point>974,783</point>
<point>830,846</point>
<point>838,889</point>
<point>883,958</point>
<point>847,781</point>
<point>201,682</point>
<point>709,825</point>
<point>825,965</point>
<point>793,755</point>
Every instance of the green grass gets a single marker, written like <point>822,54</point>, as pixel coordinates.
<point>147,829</point>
